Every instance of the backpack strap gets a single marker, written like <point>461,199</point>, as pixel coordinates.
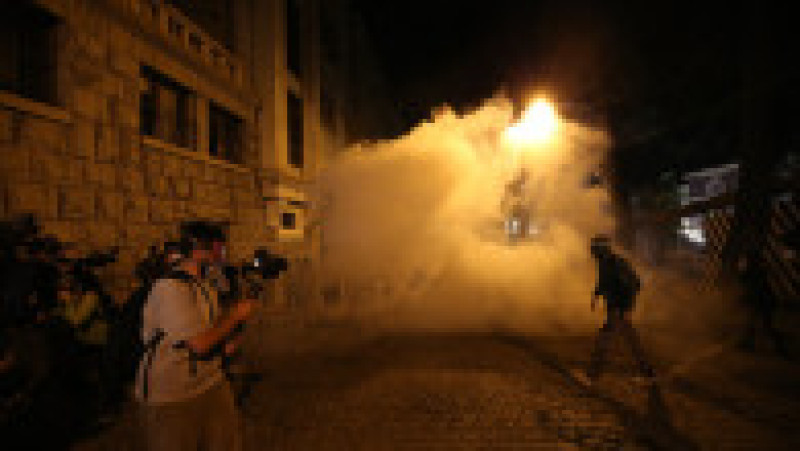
<point>149,354</point>
<point>177,274</point>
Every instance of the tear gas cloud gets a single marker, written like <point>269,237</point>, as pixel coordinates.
<point>413,227</point>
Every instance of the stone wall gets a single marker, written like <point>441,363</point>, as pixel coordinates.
<point>84,170</point>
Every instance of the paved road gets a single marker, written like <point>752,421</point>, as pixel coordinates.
<point>443,391</point>
<point>490,391</point>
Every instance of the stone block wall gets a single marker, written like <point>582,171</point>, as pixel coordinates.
<point>86,173</point>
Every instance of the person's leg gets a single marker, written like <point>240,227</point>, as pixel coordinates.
<point>635,344</point>
<point>223,428</point>
<point>172,427</point>
<point>602,342</point>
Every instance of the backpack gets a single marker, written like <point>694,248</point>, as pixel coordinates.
<point>148,349</point>
<point>127,333</point>
<point>627,282</point>
<point>132,348</point>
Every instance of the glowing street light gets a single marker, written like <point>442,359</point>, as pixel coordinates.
<point>538,125</point>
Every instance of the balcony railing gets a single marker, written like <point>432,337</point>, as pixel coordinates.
<point>172,26</point>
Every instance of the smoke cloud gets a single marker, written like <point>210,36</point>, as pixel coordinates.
<point>413,227</point>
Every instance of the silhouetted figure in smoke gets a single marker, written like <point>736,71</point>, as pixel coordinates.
<point>618,283</point>
<point>516,207</point>
<point>761,303</point>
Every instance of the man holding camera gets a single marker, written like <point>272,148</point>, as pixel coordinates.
<point>187,402</point>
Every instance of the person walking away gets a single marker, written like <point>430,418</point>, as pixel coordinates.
<point>618,284</point>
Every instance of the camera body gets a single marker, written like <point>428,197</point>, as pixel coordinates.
<point>247,279</point>
<point>81,270</point>
<point>266,265</point>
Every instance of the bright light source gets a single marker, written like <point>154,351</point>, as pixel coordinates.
<point>538,124</point>
<point>692,229</point>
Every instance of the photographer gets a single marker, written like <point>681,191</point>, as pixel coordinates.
<point>187,403</point>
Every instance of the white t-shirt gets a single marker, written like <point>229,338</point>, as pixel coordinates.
<point>181,309</point>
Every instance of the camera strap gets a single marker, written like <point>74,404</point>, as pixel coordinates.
<point>208,303</point>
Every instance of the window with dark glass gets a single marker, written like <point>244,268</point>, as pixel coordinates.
<point>293,51</point>
<point>295,132</point>
<point>166,109</point>
<point>27,52</point>
<point>225,134</point>
<point>288,221</point>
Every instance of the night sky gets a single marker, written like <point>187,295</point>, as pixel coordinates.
<point>664,76</point>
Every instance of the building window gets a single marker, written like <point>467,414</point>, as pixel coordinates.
<point>27,52</point>
<point>293,41</point>
<point>166,109</point>
<point>295,132</point>
<point>288,221</point>
<point>225,132</point>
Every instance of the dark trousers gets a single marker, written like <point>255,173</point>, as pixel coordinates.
<point>617,324</point>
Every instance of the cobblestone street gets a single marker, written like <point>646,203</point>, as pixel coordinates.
<point>347,389</point>
<point>445,392</point>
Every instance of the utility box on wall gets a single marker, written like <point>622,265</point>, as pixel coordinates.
<point>286,212</point>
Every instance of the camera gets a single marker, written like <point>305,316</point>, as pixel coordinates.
<point>247,279</point>
<point>81,270</point>
<point>266,265</point>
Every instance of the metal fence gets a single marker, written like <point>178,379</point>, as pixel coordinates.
<point>778,252</point>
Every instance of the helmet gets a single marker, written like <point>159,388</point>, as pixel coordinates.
<point>599,244</point>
